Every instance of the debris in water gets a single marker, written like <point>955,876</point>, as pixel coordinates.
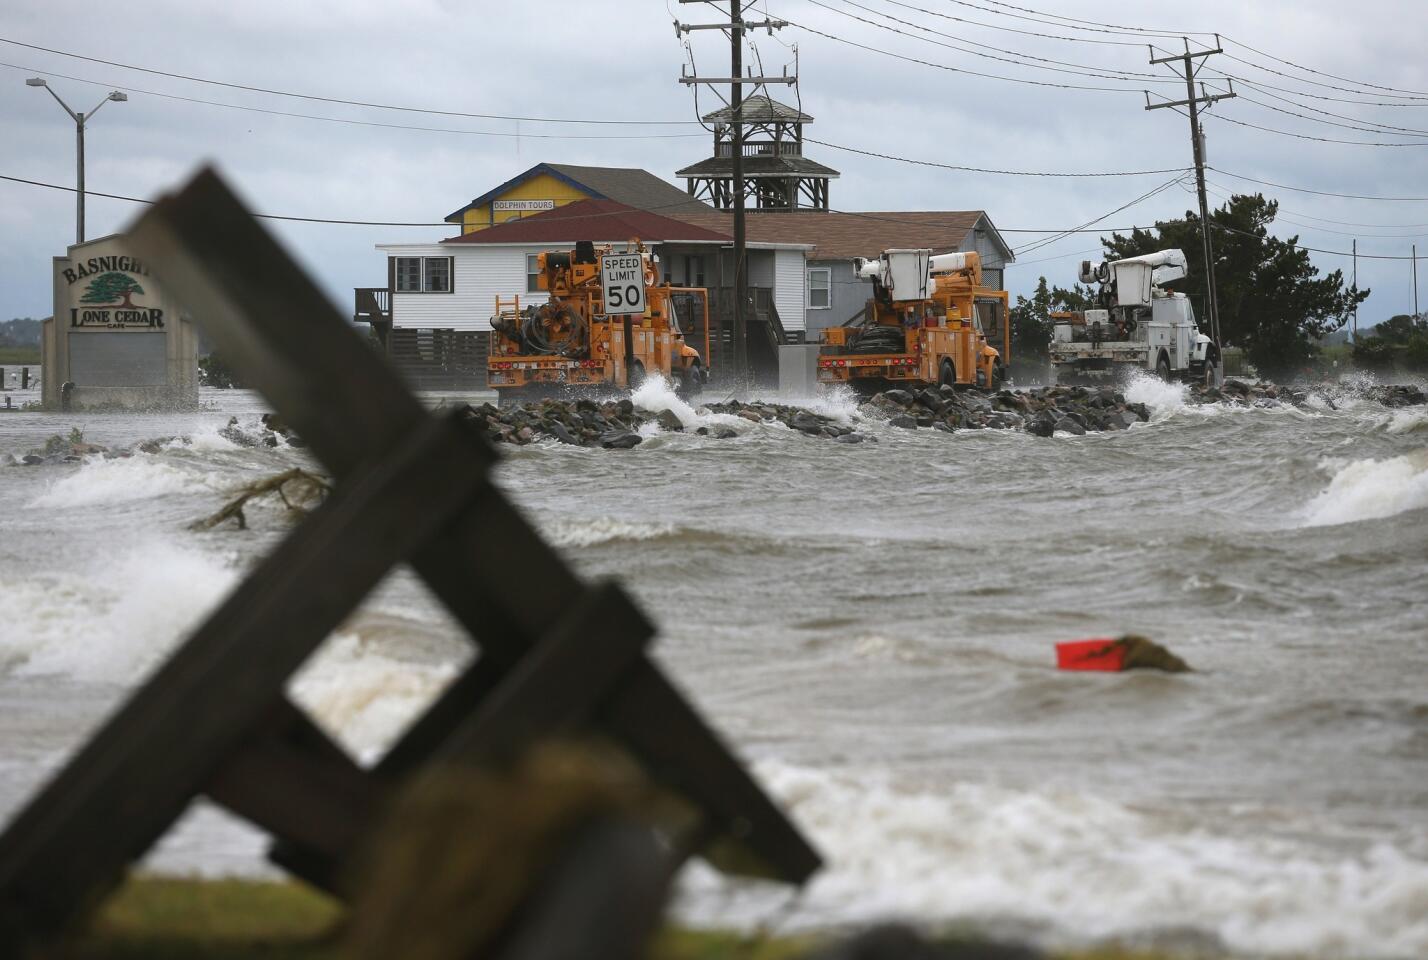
<point>299,490</point>
<point>1131,652</point>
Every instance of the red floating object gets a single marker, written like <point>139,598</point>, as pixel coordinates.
<point>1102,653</point>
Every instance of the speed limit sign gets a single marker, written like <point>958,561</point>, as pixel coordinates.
<point>622,282</point>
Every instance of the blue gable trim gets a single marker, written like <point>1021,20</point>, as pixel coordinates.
<point>535,171</point>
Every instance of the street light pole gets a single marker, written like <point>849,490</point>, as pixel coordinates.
<point>79,121</point>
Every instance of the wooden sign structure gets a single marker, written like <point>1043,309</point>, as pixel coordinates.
<point>555,653</point>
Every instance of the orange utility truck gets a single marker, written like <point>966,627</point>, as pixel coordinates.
<point>923,325</point>
<point>608,323</point>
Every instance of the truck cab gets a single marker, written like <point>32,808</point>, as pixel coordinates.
<point>1137,325</point>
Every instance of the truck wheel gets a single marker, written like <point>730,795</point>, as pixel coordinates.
<point>947,374</point>
<point>1162,368</point>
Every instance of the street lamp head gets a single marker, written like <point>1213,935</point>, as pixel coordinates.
<point>118,97</point>
<point>35,82</point>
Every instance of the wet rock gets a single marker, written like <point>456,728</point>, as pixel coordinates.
<point>904,421</point>
<point>724,433</point>
<point>805,422</point>
<point>31,459</point>
<point>1144,654</point>
<point>900,397</point>
<point>848,438</point>
<point>669,420</point>
<point>620,440</point>
<point>560,433</point>
<point>932,400</point>
<point>1067,425</point>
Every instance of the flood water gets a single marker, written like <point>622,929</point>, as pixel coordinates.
<point>873,627</point>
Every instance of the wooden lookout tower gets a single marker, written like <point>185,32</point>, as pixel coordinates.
<point>777,176</point>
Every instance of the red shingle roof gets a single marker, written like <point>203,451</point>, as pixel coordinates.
<point>603,221</point>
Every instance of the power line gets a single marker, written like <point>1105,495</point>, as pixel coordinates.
<point>351,122</point>
<point>1377,128</point>
<point>1037,245</point>
<point>1297,66</point>
<point>968,169</point>
<point>594,216</point>
<point>350,103</point>
<point>1342,223</point>
<point>952,69</point>
<point>1078,69</point>
<point>1059,256</point>
<point>1300,246</point>
<point>1028,33</point>
<point>1310,136</point>
<point>1316,83</point>
<point>1280,215</point>
<point>1321,193</point>
<point>328,220</point>
<point>1072,23</point>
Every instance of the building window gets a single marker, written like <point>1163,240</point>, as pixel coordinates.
<point>422,274</point>
<point>532,273</point>
<point>437,275</point>
<point>820,288</point>
<point>408,274</point>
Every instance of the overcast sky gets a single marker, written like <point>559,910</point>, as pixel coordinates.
<point>608,60</point>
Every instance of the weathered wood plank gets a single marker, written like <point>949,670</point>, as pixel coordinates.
<point>133,778</point>
<point>490,568</point>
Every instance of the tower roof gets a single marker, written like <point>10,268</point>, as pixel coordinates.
<point>760,108</point>
<point>758,166</point>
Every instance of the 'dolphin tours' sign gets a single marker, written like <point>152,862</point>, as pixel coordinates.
<point>107,298</point>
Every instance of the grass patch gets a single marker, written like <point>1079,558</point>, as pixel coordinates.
<point>161,918</point>
<point>19,355</point>
<point>176,919</point>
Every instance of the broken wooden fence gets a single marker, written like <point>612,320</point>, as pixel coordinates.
<point>555,653</point>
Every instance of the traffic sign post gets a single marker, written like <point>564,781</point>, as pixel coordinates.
<point>622,283</point>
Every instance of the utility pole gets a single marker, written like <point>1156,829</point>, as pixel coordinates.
<point>1197,143</point>
<point>1354,335</point>
<point>79,121</point>
<point>1415,280</point>
<point>735,30</point>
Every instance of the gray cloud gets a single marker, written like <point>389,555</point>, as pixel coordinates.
<point>621,60</point>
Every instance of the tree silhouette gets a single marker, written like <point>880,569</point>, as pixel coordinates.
<point>109,287</point>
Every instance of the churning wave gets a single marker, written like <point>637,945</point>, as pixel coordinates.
<point>1068,867</point>
<point>121,480</point>
<point>1370,490</point>
<point>109,619</point>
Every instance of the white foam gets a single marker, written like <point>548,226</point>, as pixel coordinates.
<point>362,697</point>
<point>1369,490</point>
<point>205,438</point>
<point>109,618</point>
<point>657,395</point>
<point>120,480</point>
<point>1162,398</point>
<point>1407,421</point>
<point>838,402</point>
<point>598,530</point>
<point>1072,867</point>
